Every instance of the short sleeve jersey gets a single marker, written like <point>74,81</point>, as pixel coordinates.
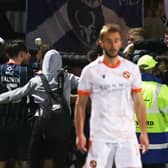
<point>13,76</point>
<point>110,89</point>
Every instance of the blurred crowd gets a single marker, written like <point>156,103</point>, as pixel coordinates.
<point>151,55</point>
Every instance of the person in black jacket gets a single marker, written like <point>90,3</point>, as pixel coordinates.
<point>134,35</point>
<point>156,46</point>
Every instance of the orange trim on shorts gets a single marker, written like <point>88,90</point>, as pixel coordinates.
<point>136,90</point>
<point>83,92</point>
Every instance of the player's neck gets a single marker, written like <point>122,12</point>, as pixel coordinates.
<point>14,61</point>
<point>111,61</point>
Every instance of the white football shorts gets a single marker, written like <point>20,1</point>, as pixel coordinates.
<point>125,155</point>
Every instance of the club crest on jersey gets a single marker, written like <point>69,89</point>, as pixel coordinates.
<point>93,164</point>
<point>126,74</point>
<point>9,70</point>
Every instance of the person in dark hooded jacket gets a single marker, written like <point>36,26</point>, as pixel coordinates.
<point>54,153</point>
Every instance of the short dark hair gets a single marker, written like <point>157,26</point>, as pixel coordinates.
<point>14,47</point>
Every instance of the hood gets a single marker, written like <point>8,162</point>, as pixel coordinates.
<point>52,62</point>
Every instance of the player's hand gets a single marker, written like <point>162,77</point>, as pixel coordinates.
<point>144,142</point>
<point>81,143</point>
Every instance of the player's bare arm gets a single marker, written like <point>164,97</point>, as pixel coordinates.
<point>80,108</point>
<point>141,117</point>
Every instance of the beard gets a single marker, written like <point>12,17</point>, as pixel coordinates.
<point>111,53</point>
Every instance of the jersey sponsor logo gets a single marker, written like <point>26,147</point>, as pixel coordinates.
<point>10,82</point>
<point>109,87</point>
<point>126,74</point>
<point>11,79</point>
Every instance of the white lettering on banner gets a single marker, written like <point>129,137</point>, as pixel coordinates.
<point>129,2</point>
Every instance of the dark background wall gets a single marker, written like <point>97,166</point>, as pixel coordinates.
<point>12,5</point>
<point>8,14</point>
<point>12,18</point>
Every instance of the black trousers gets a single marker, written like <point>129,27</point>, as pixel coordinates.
<point>46,148</point>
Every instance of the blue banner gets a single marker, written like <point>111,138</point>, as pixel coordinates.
<point>74,25</point>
